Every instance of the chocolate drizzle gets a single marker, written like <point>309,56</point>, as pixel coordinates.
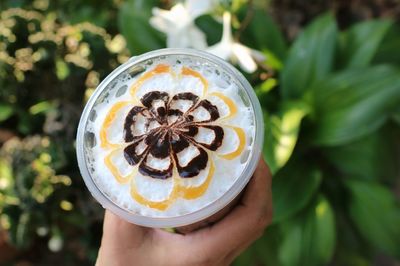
<point>175,132</point>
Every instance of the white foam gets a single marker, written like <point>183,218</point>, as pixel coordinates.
<point>226,171</point>
<point>200,114</point>
<point>185,156</point>
<point>156,163</point>
<point>205,135</point>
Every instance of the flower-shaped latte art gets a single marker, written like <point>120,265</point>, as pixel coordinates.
<point>169,137</point>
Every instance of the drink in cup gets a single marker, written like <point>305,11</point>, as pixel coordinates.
<point>170,137</point>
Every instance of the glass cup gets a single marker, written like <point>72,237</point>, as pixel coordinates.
<point>89,138</point>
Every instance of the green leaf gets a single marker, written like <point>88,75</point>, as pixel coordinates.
<point>388,51</point>
<point>62,69</point>
<point>396,116</point>
<point>211,28</point>
<point>293,187</point>
<point>354,103</point>
<point>25,122</point>
<point>281,132</point>
<point>264,34</point>
<point>6,111</point>
<point>20,231</point>
<point>272,61</point>
<point>372,157</point>
<point>310,57</point>
<point>376,213</point>
<point>246,258</point>
<point>134,24</point>
<point>359,44</point>
<point>265,87</point>
<point>309,239</point>
<point>266,247</point>
<point>41,107</point>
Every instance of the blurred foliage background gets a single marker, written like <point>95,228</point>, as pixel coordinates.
<point>329,86</point>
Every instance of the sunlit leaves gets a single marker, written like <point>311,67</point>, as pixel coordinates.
<point>281,132</point>
<point>309,239</point>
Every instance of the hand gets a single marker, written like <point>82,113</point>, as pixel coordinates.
<point>124,243</point>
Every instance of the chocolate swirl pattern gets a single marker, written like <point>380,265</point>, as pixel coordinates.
<point>158,128</point>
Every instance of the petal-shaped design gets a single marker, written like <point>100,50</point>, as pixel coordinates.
<point>239,143</point>
<point>137,123</point>
<point>192,81</point>
<point>183,102</point>
<point>209,136</point>
<point>189,158</point>
<point>155,167</point>
<point>136,151</point>
<point>118,166</point>
<point>162,204</point>
<point>223,103</point>
<point>156,102</point>
<point>111,128</point>
<point>193,192</point>
<point>204,111</point>
<point>157,162</point>
<point>159,77</point>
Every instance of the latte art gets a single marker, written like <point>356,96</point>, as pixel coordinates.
<point>173,132</point>
<point>170,137</point>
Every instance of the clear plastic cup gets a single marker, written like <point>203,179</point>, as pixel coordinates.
<point>86,138</point>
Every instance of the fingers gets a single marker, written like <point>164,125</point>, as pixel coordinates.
<point>246,222</point>
<point>120,234</point>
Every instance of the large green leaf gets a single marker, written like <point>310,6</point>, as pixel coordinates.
<point>134,24</point>
<point>388,51</point>
<point>293,187</point>
<point>396,116</point>
<point>359,44</point>
<point>264,34</point>
<point>309,239</point>
<point>310,58</point>
<point>372,157</point>
<point>281,132</point>
<point>353,103</point>
<point>376,213</point>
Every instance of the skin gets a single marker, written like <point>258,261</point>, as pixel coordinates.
<point>124,243</point>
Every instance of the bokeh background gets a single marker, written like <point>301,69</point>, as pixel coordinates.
<point>327,74</point>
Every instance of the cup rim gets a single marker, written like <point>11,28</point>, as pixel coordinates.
<point>212,207</point>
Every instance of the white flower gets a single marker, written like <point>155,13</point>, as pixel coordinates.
<point>178,23</point>
<point>227,48</point>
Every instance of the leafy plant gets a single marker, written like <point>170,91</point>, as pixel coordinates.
<point>330,138</point>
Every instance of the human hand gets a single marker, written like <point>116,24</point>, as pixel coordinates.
<point>124,243</point>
